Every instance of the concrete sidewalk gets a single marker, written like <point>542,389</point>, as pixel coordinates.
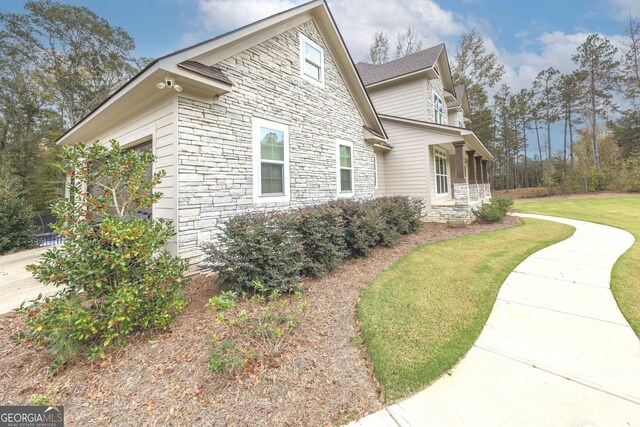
<point>555,351</point>
<point>16,283</point>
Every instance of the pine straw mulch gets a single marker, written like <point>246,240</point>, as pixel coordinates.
<point>322,376</point>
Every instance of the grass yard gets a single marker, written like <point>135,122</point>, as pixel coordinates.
<point>622,211</point>
<point>424,313</point>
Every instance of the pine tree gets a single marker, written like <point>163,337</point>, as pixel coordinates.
<point>595,59</point>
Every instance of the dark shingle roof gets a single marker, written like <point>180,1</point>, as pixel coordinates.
<point>458,101</point>
<point>415,62</point>
<point>204,70</point>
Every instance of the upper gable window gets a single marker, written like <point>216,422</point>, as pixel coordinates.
<point>438,109</point>
<point>311,61</point>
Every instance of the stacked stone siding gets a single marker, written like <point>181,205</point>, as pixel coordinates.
<point>215,154</point>
<point>453,214</point>
<point>437,86</point>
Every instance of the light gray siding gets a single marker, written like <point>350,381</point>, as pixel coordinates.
<point>403,100</point>
<point>405,167</point>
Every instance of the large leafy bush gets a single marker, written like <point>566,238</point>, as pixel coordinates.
<point>268,252</point>
<point>114,272</point>
<point>17,230</point>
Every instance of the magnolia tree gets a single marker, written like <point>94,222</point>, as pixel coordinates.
<point>115,275</point>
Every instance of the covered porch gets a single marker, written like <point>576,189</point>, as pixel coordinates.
<point>460,171</point>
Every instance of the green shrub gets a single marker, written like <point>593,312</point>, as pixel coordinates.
<point>225,301</point>
<point>261,247</point>
<point>117,276</point>
<point>632,175</point>
<point>321,231</point>
<point>362,225</point>
<point>494,210</point>
<point>254,330</point>
<point>401,216</point>
<point>43,399</point>
<point>17,230</point>
<point>502,203</point>
<point>222,359</point>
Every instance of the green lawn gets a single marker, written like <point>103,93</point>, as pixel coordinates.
<point>424,313</point>
<point>618,211</point>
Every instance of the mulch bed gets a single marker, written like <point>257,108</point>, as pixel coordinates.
<point>321,378</point>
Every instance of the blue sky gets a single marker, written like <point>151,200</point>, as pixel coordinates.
<point>527,35</point>
<point>160,26</point>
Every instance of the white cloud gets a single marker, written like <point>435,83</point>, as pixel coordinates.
<point>222,15</point>
<point>623,9</point>
<point>434,23</point>
<point>554,49</point>
<point>357,23</point>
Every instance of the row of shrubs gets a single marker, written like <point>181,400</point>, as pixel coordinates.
<point>270,251</point>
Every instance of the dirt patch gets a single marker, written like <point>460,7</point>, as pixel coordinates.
<point>321,378</point>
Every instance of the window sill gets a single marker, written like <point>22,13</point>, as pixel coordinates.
<point>345,194</point>
<point>263,200</point>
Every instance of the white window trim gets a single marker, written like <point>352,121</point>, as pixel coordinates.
<point>351,193</point>
<point>375,169</point>
<point>257,181</point>
<point>440,154</point>
<point>435,94</point>
<point>304,39</point>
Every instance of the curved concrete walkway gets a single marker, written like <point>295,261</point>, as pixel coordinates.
<point>555,351</point>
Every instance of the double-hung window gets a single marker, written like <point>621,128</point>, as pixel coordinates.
<point>271,161</point>
<point>442,178</point>
<point>311,61</point>
<point>438,109</point>
<point>344,154</point>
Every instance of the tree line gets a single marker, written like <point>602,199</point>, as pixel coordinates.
<point>517,126</point>
<point>57,63</point>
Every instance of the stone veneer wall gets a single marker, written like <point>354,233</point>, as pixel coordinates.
<point>437,86</point>
<point>452,214</point>
<point>487,192</point>
<point>215,140</point>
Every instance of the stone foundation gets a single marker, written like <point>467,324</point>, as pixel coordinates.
<point>451,214</point>
<point>487,192</point>
<point>461,193</point>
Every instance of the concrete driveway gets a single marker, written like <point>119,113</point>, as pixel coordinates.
<point>16,283</point>
<point>555,351</point>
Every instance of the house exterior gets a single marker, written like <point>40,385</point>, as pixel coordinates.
<point>270,116</point>
<point>434,155</point>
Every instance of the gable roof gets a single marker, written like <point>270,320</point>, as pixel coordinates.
<point>186,64</point>
<point>424,59</point>
<point>459,93</point>
<point>461,101</point>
